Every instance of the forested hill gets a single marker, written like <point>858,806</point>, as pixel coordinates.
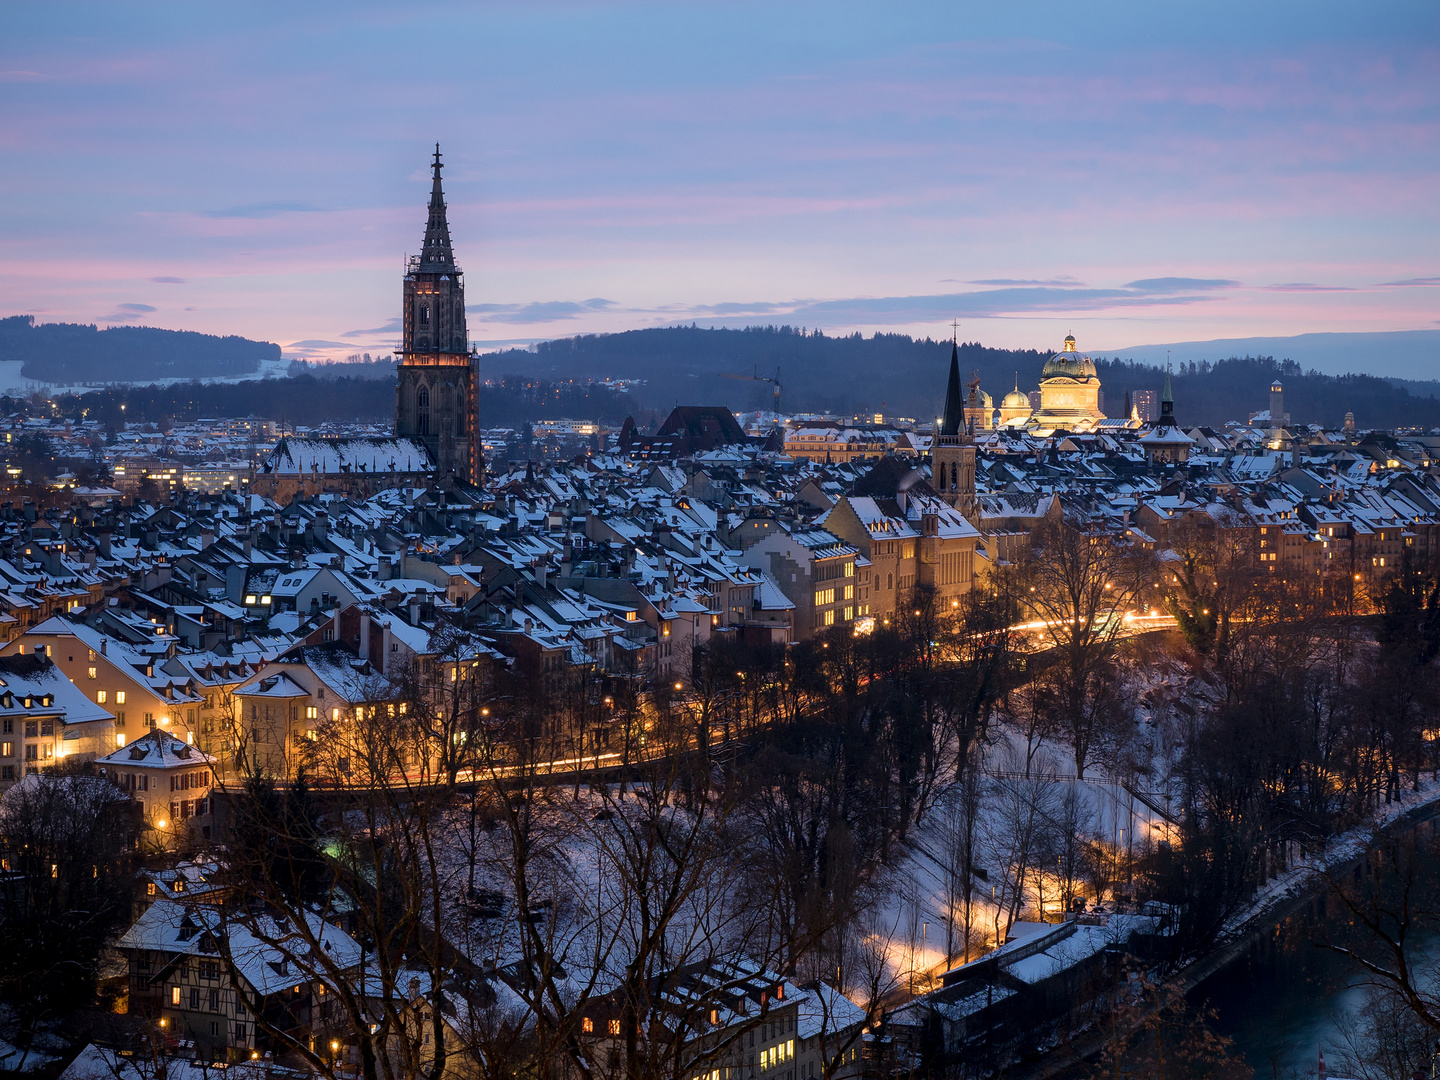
<point>64,353</point>
<point>904,376</point>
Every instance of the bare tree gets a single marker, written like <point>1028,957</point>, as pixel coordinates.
<point>1393,908</point>
<point>1018,814</point>
<point>66,841</point>
<point>1082,583</point>
<point>1208,575</point>
<point>958,817</point>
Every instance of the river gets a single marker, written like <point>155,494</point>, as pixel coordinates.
<point>1287,997</point>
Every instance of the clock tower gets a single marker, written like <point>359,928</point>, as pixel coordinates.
<point>439,375</point>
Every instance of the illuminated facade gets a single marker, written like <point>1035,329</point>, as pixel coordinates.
<point>1015,406</point>
<point>1069,393</point>
<point>435,394</point>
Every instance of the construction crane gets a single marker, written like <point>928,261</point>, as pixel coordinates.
<point>757,377</point>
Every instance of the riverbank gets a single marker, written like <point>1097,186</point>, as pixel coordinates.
<point>1271,905</point>
<point>1280,897</point>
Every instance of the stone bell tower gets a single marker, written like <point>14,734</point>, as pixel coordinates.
<point>435,395</point>
<point>952,454</point>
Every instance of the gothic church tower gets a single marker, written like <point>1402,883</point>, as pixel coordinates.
<point>952,454</point>
<point>438,377</point>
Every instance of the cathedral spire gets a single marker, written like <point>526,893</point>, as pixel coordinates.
<point>954,416</point>
<point>436,256</point>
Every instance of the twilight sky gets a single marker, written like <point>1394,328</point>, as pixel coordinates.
<point>1129,172</point>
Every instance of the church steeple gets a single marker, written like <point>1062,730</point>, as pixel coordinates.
<point>953,418</point>
<point>435,394</point>
<point>1167,403</point>
<point>952,451</point>
<point>437,256</point>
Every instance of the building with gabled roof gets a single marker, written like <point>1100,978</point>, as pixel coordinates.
<point>197,973</point>
<point>44,718</point>
<point>283,708</point>
<point>171,780</point>
<point>815,570</point>
<point>349,467</point>
<point>127,679</point>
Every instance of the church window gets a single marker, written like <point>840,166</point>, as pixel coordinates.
<point>422,400</point>
<point>424,314</point>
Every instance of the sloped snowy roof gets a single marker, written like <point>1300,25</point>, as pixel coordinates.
<point>158,750</point>
<point>303,457</point>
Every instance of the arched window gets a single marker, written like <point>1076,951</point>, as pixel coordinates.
<point>954,476</point>
<point>422,401</point>
<point>424,314</point>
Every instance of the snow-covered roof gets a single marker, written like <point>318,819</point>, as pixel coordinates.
<point>304,457</point>
<point>158,750</point>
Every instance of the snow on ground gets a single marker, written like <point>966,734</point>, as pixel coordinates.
<point>588,907</point>
<point>919,916</point>
<point>1339,851</point>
